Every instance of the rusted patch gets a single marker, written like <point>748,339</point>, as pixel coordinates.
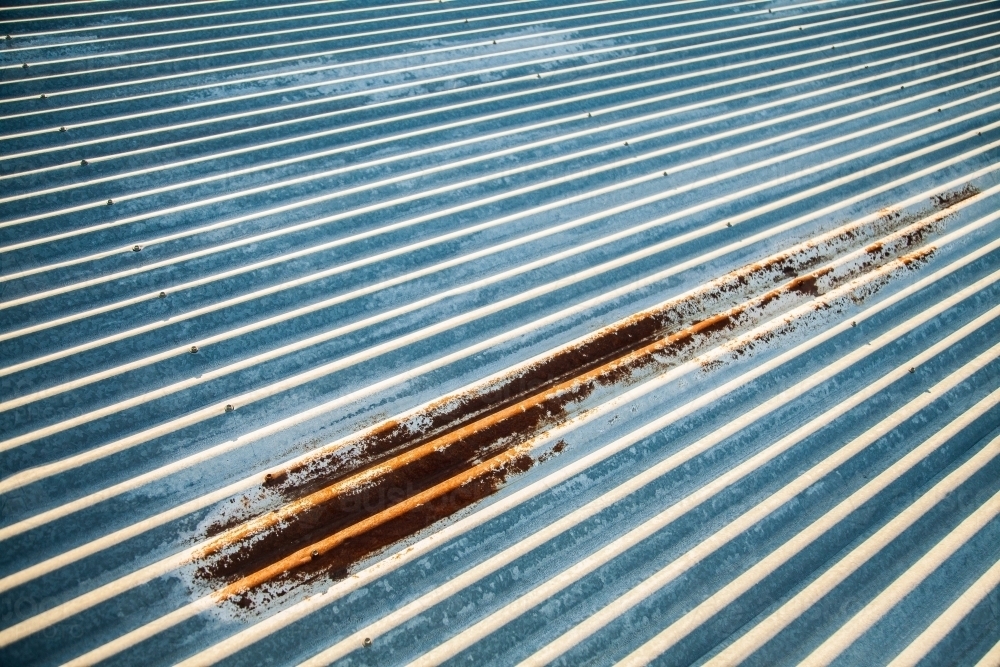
<point>949,199</point>
<point>348,502</point>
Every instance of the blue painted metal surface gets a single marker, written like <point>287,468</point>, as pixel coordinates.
<point>244,243</point>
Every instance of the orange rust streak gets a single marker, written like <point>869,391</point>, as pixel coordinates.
<point>304,556</point>
<point>802,285</point>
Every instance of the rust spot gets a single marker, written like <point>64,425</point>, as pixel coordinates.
<point>347,502</point>
<point>949,199</point>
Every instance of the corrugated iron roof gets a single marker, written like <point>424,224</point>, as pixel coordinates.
<point>502,332</point>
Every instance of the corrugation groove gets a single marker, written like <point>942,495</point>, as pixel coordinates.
<point>509,332</point>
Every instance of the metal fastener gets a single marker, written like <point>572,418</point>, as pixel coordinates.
<point>62,129</point>
<point>367,642</point>
<point>912,369</point>
<point>267,477</point>
<point>163,295</point>
<point>854,324</point>
<point>229,407</point>
<point>42,96</point>
<point>110,202</point>
<point>664,173</point>
<point>136,248</point>
<point>194,349</point>
<point>83,163</point>
<point>24,66</point>
<point>626,143</point>
<point>588,115</point>
<point>315,554</point>
<point>494,41</point>
<point>729,224</point>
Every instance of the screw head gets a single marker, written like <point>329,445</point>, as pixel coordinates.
<point>229,407</point>
<point>367,643</point>
<point>729,224</point>
<point>136,248</point>
<point>194,349</point>
<point>626,143</point>
<point>62,129</point>
<point>83,163</point>
<point>664,173</point>
<point>315,554</point>
<point>110,202</point>
<point>854,324</point>
<point>24,66</point>
<point>267,477</point>
<point>494,41</point>
<point>912,369</point>
<point>6,36</point>
<point>163,295</point>
<point>42,96</point>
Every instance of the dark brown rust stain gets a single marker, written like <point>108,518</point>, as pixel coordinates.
<point>241,553</point>
<point>949,199</point>
<point>391,483</point>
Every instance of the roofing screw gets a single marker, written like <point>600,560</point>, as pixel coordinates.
<point>664,173</point>
<point>854,324</point>
<point>466,20</point>
<point>83,163</point>
<point>729,224</point>
<point>7,37</point>
<point>42,96</point>
<point>367,643</point>
<point>194,349</point>
<point>62,129</point>
<point>267,477</point>
<point>939,111</point>
<point>229,407</point>
<point>24,66</point>
<point>539,76</point>
<point>494,41</point>
<point>163,295</point>
<point>626,143</point>
<point>110,202</point>
<point>315,554</point>
<point>912,369</point>
<point>588,115</point>
<point>900,87</point>
<point>136,248</point>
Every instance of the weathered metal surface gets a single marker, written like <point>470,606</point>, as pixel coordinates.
<point>453,332</point>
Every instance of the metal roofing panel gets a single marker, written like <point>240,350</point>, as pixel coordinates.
<point>432,333</point>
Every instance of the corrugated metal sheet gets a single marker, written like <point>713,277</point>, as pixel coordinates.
<point>499,332</point>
